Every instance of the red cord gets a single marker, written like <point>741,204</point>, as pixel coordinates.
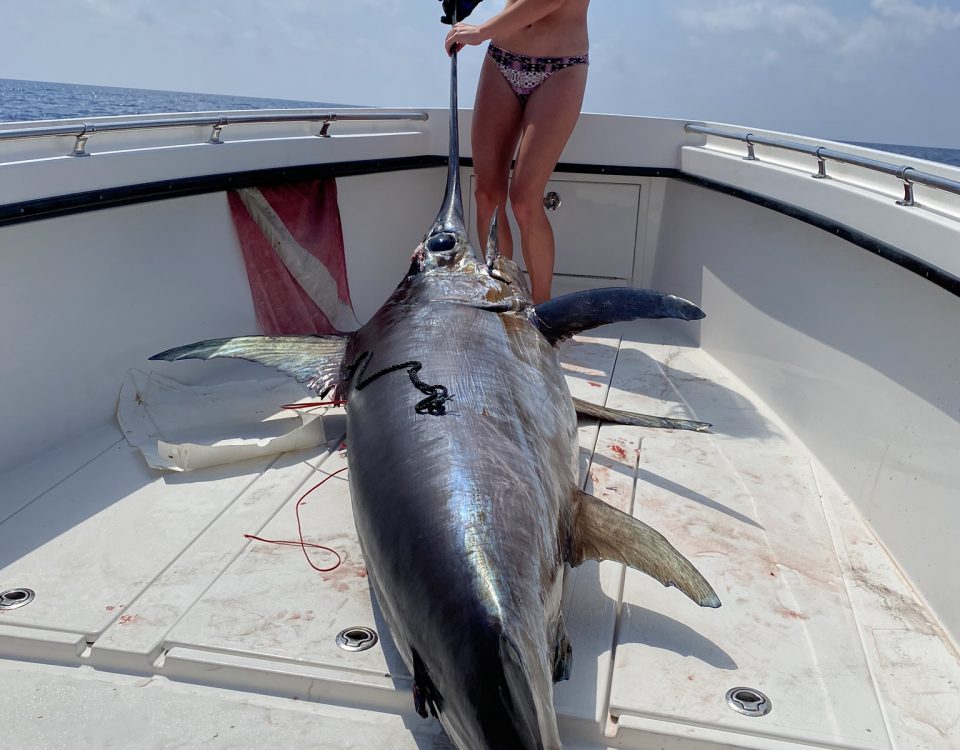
<point>302,544</point>
<point>312,404</point>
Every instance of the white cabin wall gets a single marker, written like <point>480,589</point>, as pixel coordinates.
<point>649,221</point>
<point>384,218</point>
<point>855,353</point>
<point>85,297</point>
<point>88,296</point>
<point>599,229</point>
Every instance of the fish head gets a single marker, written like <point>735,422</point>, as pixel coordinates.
<point>447,248</point>
<point>490,279</point>
<point>507,271</point>
<point>445,268</point>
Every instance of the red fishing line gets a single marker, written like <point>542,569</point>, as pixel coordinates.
<point>302,544</point>
<point>311,404</point>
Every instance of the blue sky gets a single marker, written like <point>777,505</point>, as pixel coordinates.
<point>871,70</point>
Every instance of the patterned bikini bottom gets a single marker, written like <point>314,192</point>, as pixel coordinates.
<point>525,73</point>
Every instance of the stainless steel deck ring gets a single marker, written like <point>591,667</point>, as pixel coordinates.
<point>552,201</point>
<point>357,639</point>
<point>748,701</point>
<point>16,598</point>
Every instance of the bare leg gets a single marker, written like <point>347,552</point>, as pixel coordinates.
<point>496,130</point>
<point>548,120</point>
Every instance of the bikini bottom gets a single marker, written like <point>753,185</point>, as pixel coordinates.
<point>526,73</point>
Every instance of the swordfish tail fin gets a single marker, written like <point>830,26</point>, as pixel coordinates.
<point>562,317</point>
<point>313,360</point>
<point>601,532</point>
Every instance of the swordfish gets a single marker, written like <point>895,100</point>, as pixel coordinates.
<point>462,447</point>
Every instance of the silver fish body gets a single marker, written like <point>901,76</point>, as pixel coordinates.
<point>458,513</point>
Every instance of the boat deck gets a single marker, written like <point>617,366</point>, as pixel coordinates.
<point>146,585</point>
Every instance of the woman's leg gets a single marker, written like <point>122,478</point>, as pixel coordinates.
<point>496,129</point>
<point>548,120</point>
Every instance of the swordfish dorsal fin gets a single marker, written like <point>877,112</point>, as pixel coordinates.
<point>493,244</point>
<point>601,532</point>
<point>313,360</point>
<point>564,316</point>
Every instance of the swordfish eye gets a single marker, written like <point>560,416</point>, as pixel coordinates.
<point>441,243</point>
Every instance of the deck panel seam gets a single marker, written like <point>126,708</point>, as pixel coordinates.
<point>94,637</point>
<point>61,481</point>
<point>225,565</point>
<point>843,560</point>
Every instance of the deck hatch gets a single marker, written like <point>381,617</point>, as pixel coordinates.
<point>356,639</point>
<point>16,598</point>
<point>748,701</point>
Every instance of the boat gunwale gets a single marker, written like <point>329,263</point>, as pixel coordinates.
<point>126,195</point>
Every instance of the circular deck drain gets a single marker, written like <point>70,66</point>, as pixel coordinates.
<point>356,639</point>
<point>14,598</point>
<point>748,701</point>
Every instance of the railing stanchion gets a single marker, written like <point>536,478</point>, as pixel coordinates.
<point>907,188</point>
<point>214,121</point>
<point>821,167</point>
<point>217,130</point>
<point>80,146</point>
<point>823,153</point>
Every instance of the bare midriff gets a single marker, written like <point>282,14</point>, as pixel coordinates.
<point>560,33</point>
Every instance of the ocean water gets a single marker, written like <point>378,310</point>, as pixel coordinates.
<point>38,100</point>
<point>942,155</point>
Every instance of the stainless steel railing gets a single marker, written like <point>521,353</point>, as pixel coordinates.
<point>217,122</point>
<point>908,175</point>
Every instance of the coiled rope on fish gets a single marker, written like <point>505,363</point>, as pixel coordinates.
<point>436,395</point>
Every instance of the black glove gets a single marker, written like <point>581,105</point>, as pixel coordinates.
<point>463,7</point>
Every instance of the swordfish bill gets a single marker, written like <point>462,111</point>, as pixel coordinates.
<point>450,217</point>
<point>462,447</point>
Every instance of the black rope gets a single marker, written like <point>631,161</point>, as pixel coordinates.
<point>436,395</point>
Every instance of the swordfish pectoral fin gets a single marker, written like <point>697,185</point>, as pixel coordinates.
<point>617,416</point>
<point>313,360</point>
<point>426,699</point>
<point>601,532</point>
<point>562,317</point>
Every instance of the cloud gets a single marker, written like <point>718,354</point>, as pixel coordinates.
<point>928,18</point>
<point>111,10</point>
<point>883,23</point>
<point>896,22</point>
<point>770,57</point>
<point>811,21</point>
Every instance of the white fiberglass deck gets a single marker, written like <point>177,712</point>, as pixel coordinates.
<point>157,624</point>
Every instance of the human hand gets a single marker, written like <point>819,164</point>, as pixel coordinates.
<point>461,35</point>
<point>462,8</point>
